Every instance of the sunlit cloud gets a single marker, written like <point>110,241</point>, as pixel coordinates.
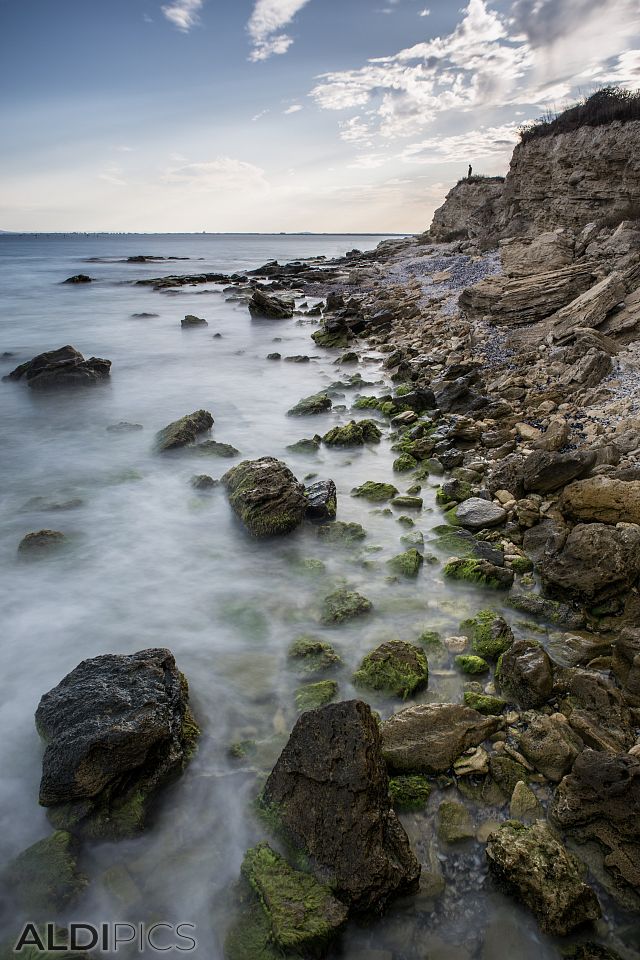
<point>268,19</point>
<point>183,13</point>
<point>220,175</point>
<point>294,108</point>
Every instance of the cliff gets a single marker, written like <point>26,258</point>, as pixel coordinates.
<point>468,208</point>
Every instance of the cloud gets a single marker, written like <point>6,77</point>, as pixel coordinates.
<point>264,26</point>
<point>183,13</point>
<point>294,108</point>
<point>222,175</point>
<point>113,175</point>
<point>424,13</point>
<point>492,141</point>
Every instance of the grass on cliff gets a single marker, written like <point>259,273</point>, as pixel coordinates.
<point>602,107</point>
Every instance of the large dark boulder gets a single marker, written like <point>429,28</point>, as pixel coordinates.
<point>262,305</point>
<point>322,500</point>
<point>65,367</point>
<point>329,791</point>
<point>595,563</point>
<point>526,674</point>
<point>544,472</point>
<point>183,432</point>
<point>266,496</point>
<point>117,728</point>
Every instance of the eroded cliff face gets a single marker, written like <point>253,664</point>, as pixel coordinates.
<point>468,208</point>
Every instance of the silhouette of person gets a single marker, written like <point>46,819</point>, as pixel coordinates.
<point>470,172</point>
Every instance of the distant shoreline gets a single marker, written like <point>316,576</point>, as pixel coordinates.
<point>203,233</point>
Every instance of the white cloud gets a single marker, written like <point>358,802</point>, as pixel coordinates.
<point>221,175</point>
<point>294,108</point>
<point>465,147</point>
<point>424,13</point>
<point>269,17</point>
<point>183,13</point>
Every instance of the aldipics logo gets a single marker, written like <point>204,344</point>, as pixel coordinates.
<point>106,938</point>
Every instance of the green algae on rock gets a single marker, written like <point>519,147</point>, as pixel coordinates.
<point>471,664</point>
<point>485,704</point>
<point>183,432</point>
<point>489,633</point>
<point>45,876</point>
<point>330,338</point>
<point>313,655</point>
<point>311,406</point>
<point>354,434</point>
<point>306,445</point>
<point>344,604</point>
<point>367,403</point>
<point>409,792</point>
<point>404,463</point>
<point>394,667</point>
<point>341,532</point>
<point>40,543</point>
<point>266,496</point>
<point>482,572</point>
<point>454,822</point>
<point>375,492</point>
<point>313,695</point>
<point>407,564</point>
<point>213,448</point>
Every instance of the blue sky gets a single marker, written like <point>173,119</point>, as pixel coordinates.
<point>346,115</point>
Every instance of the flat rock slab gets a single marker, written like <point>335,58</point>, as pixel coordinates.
<point>478,514</point>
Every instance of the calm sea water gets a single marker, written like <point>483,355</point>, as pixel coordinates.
<point>152,564</point>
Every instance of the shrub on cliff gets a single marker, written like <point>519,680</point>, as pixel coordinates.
<point>602,107</point>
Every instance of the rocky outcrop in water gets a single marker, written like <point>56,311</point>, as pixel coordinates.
<point>117,729</point>
<point>183,432</point>
<point>274,308</point>
<point>65,367</point>
<point>266,497</point>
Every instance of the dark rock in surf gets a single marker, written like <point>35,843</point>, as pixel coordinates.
<point>40,542</point>
<point>183,432</point>
<point>266,496</point>
<point>322,500</point>
<point>192,321</point>
<point>79,278</point>
<point>263,306</point>
<point>65,367</point>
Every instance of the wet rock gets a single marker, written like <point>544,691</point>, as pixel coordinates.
<point>478,514</point>
<point>262,305</point>
<point>322,500</point>
<point>314,695</point>
<point>574,650</point>
<point>183,432</point>
<point>427,738</point>
<point>534,866</point>
<point>266,496</point>
<point>490,634</point>
<point>602,500</point>
<point>274,356</point>
<point>407,502</point>
<point>332,771</point>
<point>600,800</point>
<point>341,532</point>
<point>472,665</point>
<point>484,703</point>
<point>550,745</point>
<point>40,543</point>
<point>213,448</point>
<point>481,572</point>
<point>45,876</point>
<point>463,544</point>
<point>344,604</point>
<point>394,667</point>
<point>375,492</point>
<point>79,278</point>
<point>298,358</point>
<point>549,536</point>
<point>203,482</point>
<point>312,655</point>
<point>526,674</point>
<point>544,472</point>
<point>353,434</point>
<point>596,709</point>
<point>409,792</point>
<point>506,772</point>
<point>311,406</point>
<point>65,367</point>
<point>454,822</point>
<point>406,564</point>
<point>595,563</point>
<point>117,729</point>
<point>524,805</point>
<point>124,427</point>
<point>550,610</point>
<point>192,321</point>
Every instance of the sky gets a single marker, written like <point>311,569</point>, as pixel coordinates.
<point>281,115</point>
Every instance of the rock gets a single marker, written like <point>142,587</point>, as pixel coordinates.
<point>407,503</point>
<point>526,674</point>
<point>261,305</point>
<point>574,650</point>
<point>45,876</point>
<point>473,763</point>
<point>472,665</point>
<point>591,308</point>
<point>79,278</point>
<point>307,445</point>
<point>409,792</point>
<point>341,532</point>
<point>331,771</point>
<point>117,729</point>
<point>554,438</point>
<point>550,745</point>
<point>183,432</point>
<point>322,500</point>
<point>65,367</point>
<point>484,703</point>
<point>213,448</point>
<point>192,321</point>
<point>266,496</point>
<point>478,514</point>
<point>298,358</point>
<point>523,257</point>
<point>454,822</point>
<point>600,801</point>
<point>506,772</point>
<point>406,564</point>
<point>463,544</point>
<point>314,695</point>
<point>596,709</point>
<point>468,209</point>
<point>203,482</point>
<point>311,406</point>
<point>544,472</point>
<point>274,356</point>
<point>124,427</point>
<point>344,604</point>
<point>394,667</point>
<point>532,865</point>
<point>481,572</point>
<point>353,434</point>
<point>489,633</point>
<point>41,542</point>
<point>524,805</point>
<point>312,655</point>
<point>595,563</point>
<point>427,738</point>
<point>375,492</point>
<point>602,500</point>
<point>550,610</point>
<point>548,536</point>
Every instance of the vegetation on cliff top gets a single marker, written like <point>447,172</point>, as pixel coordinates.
<point>602,107</point>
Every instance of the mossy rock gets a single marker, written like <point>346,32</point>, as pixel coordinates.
<point>394,667</point>
<point>183,432</point>
<point>313,655</point>
<point>344,604</point>
<point>45,877</point>
<point>40,543</point>
<point>506,772</point>
<point>409,792</point>
<point>489,633</point>
<point>341,532</point>
<point>366,403</point>
<point>375,492</point>
<point>522,565</point>
<point>312,567</point>
<point>354,434</point>
<point>406,564</point>
<point>470,664</point>
<point>430,638</point>
<point>311,406</point>
<point>325,338</point>
<point>484,703</point>
<point>313,695</point>
<point>407,503</point>
<point>480,572</point>
<point>454,822</point>
<point>404,463</point>
<point>212,448</point>
<point>306,445</point>
<point>266,496</point>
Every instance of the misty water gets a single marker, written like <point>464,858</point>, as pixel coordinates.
<point>152,563</point>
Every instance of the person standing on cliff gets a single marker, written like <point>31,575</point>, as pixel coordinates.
<point>470,172</point>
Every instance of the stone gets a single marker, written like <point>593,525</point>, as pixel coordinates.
<point>595,563</point>
<point>602,500</point>
<point>213,448</point>
<point>544,472</point>
<point>523,257</point>
<point>273,308</point>
<point>65,367</point>
<point>183,432</point>
<point>472,763</point>
<point>314,695</point>
<point>394,667</point>
<point>344,604</point>
<point>45,876</point>
<point>526,674</point>
<point>462,544</point>
<point>484,703</point>
<point>524,804</point>
<point>490,634</point>
<point>550,745</point>
<point>481,572</point>
<point>409,792</point>
<point>596,709</point>
<point>478,514</point>
<point>600,801</point>
<point>40,543</point>
<point>530,863</point>
<point>354,434</point>
<point>342,533</point>
<point>428,738</point>
<point>311,406</point>
<point>312,655</point>
<point>307,445</point>
<point>506,772</point>
<point>116,729</point>
<point>375,492</point>
<point>454,822</point>
<point>407,502</point>
<point>331,771</point>
<point>79,278</point>
<point>471,664</point>
<point>406,564</point>
<point>550,610</point>
<point>192,321</point>
<point>322,500</point>
<point>554,438</point>
<point>203,482</point>
<point>124,427</point>
<point>467,210</point>
<point>591,308</point>
<point>266,497</point>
